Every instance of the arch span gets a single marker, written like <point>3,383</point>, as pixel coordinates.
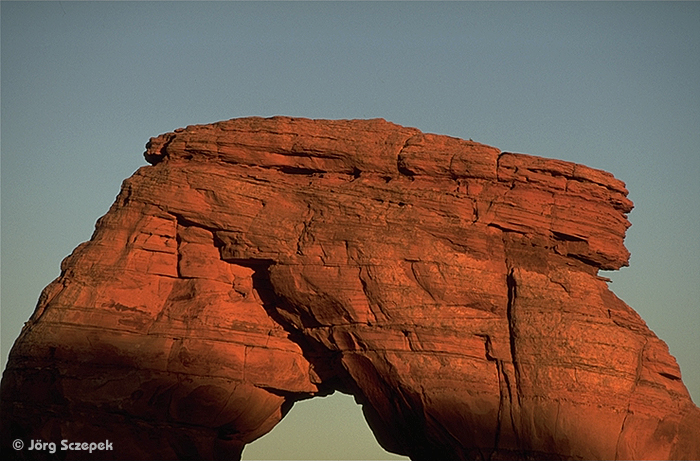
<point>450,287</point>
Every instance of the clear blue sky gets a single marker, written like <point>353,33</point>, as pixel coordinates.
<point>614,86</point>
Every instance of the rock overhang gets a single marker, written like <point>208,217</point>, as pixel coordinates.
<point>586,208</point>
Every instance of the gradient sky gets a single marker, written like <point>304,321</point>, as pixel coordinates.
<point>614,86</point>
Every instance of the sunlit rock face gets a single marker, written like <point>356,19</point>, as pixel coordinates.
<point>450,287</point>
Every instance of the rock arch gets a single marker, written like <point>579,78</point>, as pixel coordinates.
<point>450,287</point>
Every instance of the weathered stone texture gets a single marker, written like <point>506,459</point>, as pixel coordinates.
<point>450,287</point>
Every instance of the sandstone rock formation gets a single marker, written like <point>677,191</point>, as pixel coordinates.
<point>450,287</point>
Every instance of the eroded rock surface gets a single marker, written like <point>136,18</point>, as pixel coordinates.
<point>450,287</point>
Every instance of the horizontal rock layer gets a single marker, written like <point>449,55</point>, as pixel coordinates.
<point>450,287</point>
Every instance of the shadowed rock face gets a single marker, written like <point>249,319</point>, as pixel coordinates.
<point>450,287</point>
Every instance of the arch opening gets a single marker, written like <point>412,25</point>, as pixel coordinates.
<point>330,427</point>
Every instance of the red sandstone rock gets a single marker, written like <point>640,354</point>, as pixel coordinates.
<point>451,288</point>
